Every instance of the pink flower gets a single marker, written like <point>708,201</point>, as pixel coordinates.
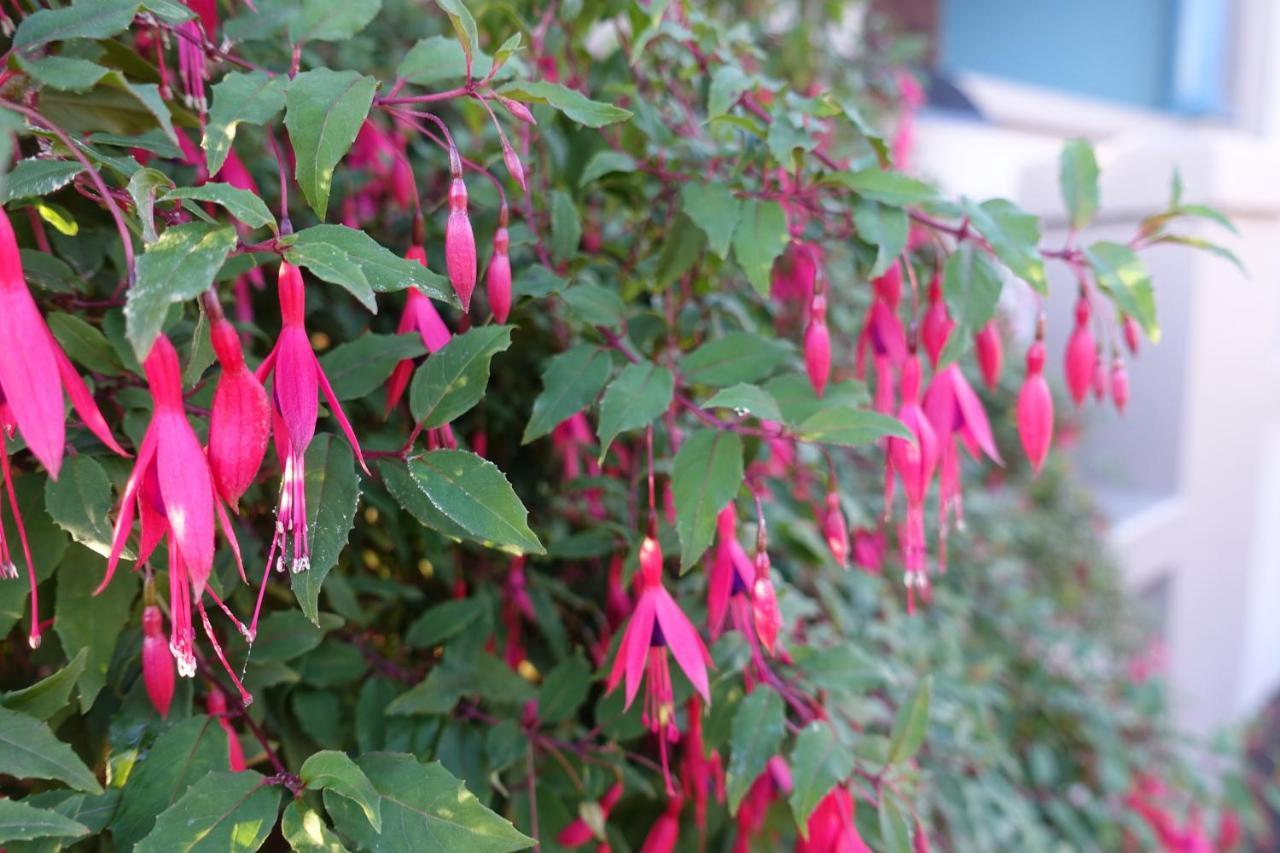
<point>665,832</point>
<point>817,345</point>
<point>460,244</point>
<point>1081,354</point>
<point>216,705</point>
<point>764,603</point>
<point>831,827</point>
<point>240,420</point>
<point>498,278</point>
<point>1119,384</point>
<point>1132,333</point>
<point>514,166</point>
<point>157,663</point>
<point>868,550</point>
<point>297,381</point>
<point>774,782</point>
<point>836,530</point>
<point>657,626</point>
<point>990,353</point>
<point>937,325</point>
<point>700,771</point>
<point>1035,408</point>
<point>420,316</point>
<point>579,832</point>
<point>914,461</point>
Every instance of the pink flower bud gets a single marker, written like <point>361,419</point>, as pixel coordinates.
<point>868,550</point>
<point>937,324</point>
<point>817,347</point>
<point>1081,354</point>
<point>651,561</point>
<point>1035,409</point>
<point>157,661</point>
<point>1099,378</point>
<point>836,530</point>
<point>498,280</point>
<point>514,166</point>
<point>460,245</point>
<point>216,705</point>
<point>240,420</point>
<point>1132,333</point>
<point>1119,384</point>
<point>518,110</point>
<point>764,604</point>
<point>990,353</point>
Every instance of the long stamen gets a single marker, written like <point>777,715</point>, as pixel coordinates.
<point>33,637</point>
<point>245,696</point>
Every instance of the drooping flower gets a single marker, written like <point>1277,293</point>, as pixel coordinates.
<point>990,351</point>
<point>1035,408</point>
<point>657,626</point>
<point>1099,378</point>
<point>240,419</point>
<point>1081,354</point>
<point>700,771</point>
<point>157,662</point>
<point>774,782</point>
<point>665,831</point>
<point>1132,333</point>
<point>764,602</point>
<point>498,278</point>
<point>514,166</point>
<point>914,461</point>
<point>868,550</point>
<point>1119,384</point>
<point>817,345</point>
<point>936,327</point>
<point>216,705</point>
<point>297,380</point>
<point>580,830</point>
<point>831,827</point>
<point>420,316</point>
<point>460,242</point>
<point>836,530</point>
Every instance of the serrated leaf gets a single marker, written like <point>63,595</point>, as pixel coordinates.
<point>566,226</point>
<point>728,84</point>
<point>423,808</point>
<point>85,344</point>
<point>911,724</point>
<point>115,106</point>
<point>454,378</point>
<point>85,19</point>
<point>252,98</point>
<point>564,689</point>
<point>21,822</point>
<point>849,427</point>
<point>1124,277</point>
<point>595,304</point>
<point>638,394</point>
<point>606,162</point>
<point>818,762</point>
<point>1014,235</point>
<point>306,832</point>
<point>972,288</point>
<point>28,750</point>
<point>325,20</point>
<point>333,493</point>
<point>179,266</point>
<point>715,210</point>
<point>571,381</point>
<point>35,177</point>
<point>885,185</point>
<point>571,102</point>
<point>758,239</point>
<point>143,186</point>
<point>746,399</point>
<point>733,358</point>
<point>681,248</point>
<point>758,727</point>
<point>464,27</point>
<point>362,366</point>
<point>894,829</point>
<point>1078,180</point>
<point>349,257</point>
<point>223,811</point>
<point>444,621</point>
<point>705,475</point>
<point>286,635</point>
<point>242,204</point>
<point>474,495</point>
<point>49,695</point>
<point>323,112</point>
<point>80,502</point>
<point>63,72</point>
<point>884,227</point>
<point>88,621</point>
<point>438,58</point>
<point>335,771</point>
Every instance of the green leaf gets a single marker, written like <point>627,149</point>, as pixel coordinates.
<point>63,72</point>
<point>325,20</point>
<point>846,426</point>
<point>437,58</point>
<point>728,84</point>
<point>252,98</point>
<point>884,185</point>
<point>49,695</point>
<point>785,138</point>
<point>595,305</point>
<point>444,621</point>
<point>423,808</point>
<point>453,379</point>
<point>818,762</point>
<point>21,822</point>
<point>242,204</point>
<point>758,727</point>
<point>1204,211</point>
<point>85,19</point>
<point>571,102</point>
<point>88,621</point>
<point>143,186</point>
<point>714,209</point>
<point>48,545</point>
<point>356,261</point>
<point>746,399</point>
<point>1124,277</point>
<point>758,239</point>
<point>438,693</point>
<point>80,502</point>
<point>323,112</point>
<point>1078,179</point>
<point>605,162</point>
<point>362,366</point>
<point>638,394</point>
<point>884,227</point>
<point>84,343</point>
<point>28,750</point>
<point>894,829</point>
<point>305,830</point>
<point>333,493</point>
<point>36,177</point>
<point>1205,246</point>
<point>223,811</point>
<point>564,689</point>
<point>972,287</point>
<point>571,381</point>
<point>285,635</point>
<point>911,725</point>
<point>566,227</point>
<point>474,495</point>
<point>1014,235</point>
<point>114,106</point>
<point>681,249</point>
<point>705,475</point>
<point>334,771</point>
<point>733,358</point>
<point>179,266</point>
<point>464,26</point>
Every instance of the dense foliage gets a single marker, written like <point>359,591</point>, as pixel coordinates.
<point>642,366</point>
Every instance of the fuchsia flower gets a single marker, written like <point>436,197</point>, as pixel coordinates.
<point>157,662</point>
<point>1132,333</point>
<point>937,325</point>
<point>580,832</point>
<point>914,461</point>
<point>420,316</point>
<point>990,351</point>
<point>240,420</point>
<point>216,705</point>
<point>512,160</point>
<point>1119,384</point>
<point>836,530</point>
<point>882,334</point>
<point>817,345</point>
<point>498,279</point>
<point>1035,408</point>
<point>1099,378</point>
<point>665,831</point>
<point>699,771</point>
<point>171,490</point>
<point>459,241</point>
<point>868,550</point>
<point>297,380</point>
<point>656,626</point>
<point>34,371</point>
<point>773,783</point>
<point>831,827</point>
<point>764,602</point>
<point>796,273</point>
<point>1081,355</point>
